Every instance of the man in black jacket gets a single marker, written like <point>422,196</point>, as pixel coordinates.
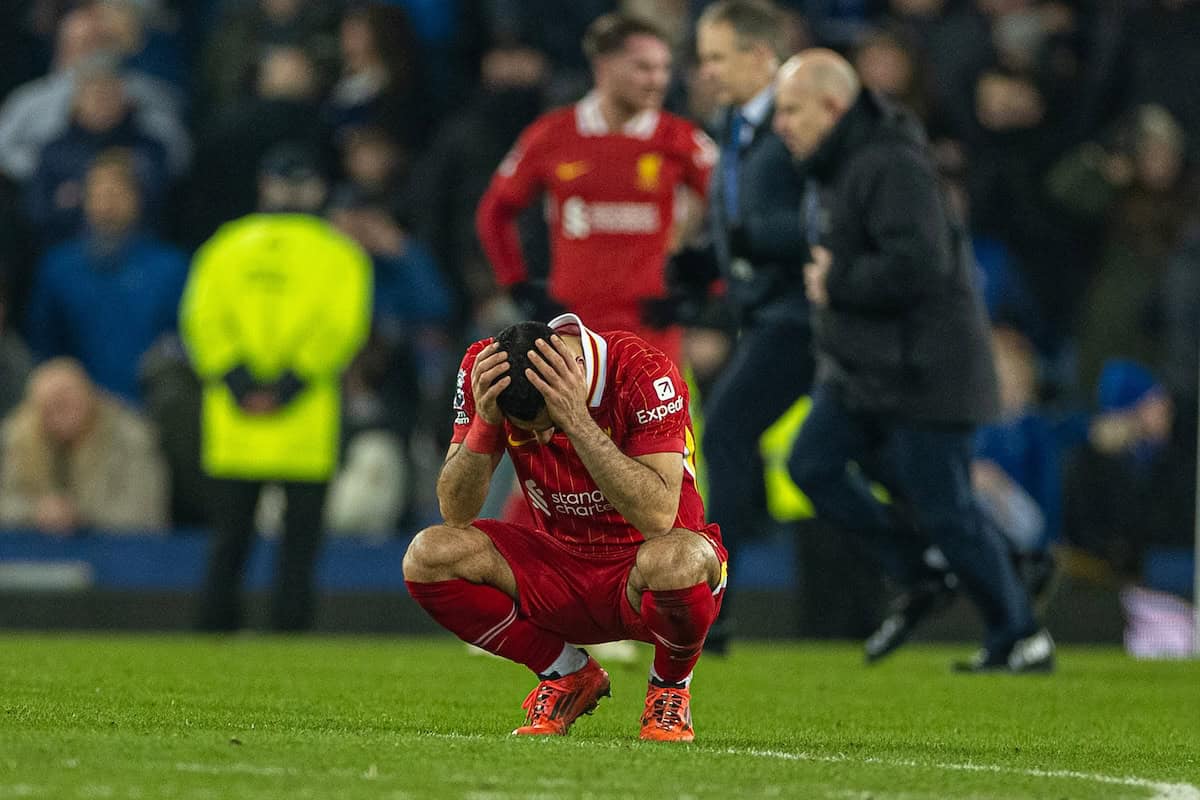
<point>904,367</point>
<point>758,238</point>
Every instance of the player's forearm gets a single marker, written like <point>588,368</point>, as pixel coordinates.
<point>496,226</point>
<point>637,492</point>
<point>463,485</point>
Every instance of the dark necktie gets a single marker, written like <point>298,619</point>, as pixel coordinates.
<point>730,157</point>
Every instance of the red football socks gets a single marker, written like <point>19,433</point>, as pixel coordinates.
<point>679,619</point>
<point>486,617</point>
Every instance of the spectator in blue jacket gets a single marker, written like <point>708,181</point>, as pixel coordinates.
<point>108,295</point>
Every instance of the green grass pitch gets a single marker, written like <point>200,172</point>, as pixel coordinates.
<point>328,717</point>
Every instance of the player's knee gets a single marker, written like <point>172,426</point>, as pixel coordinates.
<point>434,552</point>
<point>676,561</point>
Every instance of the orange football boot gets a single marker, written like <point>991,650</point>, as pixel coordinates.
<point>668,715</point>
<point>554,705</point>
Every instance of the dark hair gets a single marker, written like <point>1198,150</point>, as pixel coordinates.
<point>754,22</point>
<point>394,38</point>
<point>607,34</point>
<point>521,399</point>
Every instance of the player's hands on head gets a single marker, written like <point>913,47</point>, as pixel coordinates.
<point>488,381</point>
<point>559,375</point>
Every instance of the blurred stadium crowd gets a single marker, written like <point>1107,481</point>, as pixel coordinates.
<point>130,130</point>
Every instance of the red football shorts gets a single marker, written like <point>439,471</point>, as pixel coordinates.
<point>573,595</point>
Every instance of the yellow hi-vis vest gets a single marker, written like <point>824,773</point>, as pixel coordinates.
<point>785,501</point>
<point>272,293</point>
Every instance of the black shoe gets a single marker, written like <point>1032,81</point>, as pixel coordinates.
<point>1032,654</point>
<point>927,597</point>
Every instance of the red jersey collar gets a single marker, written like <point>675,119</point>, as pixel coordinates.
<point>589,120</point>
<point>595,354</point>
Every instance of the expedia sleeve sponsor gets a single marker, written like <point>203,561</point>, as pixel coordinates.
<point>660,412</point>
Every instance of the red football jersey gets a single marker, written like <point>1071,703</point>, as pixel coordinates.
<point>610,204</point>
<point>637,397</point>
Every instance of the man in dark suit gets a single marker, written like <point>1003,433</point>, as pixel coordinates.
<point>905,371</point>
<point>758,235</point>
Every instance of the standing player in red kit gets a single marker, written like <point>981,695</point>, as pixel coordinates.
<point>610,165</point>
<point>598,429</point>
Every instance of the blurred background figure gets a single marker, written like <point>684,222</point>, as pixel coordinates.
<point>906,372</point>
<point>133,32</point>
<point>891,65</point>
<point>624,181</point>
<point>1132,194</point>
<point>277,305</point>
<point>1124,492</point>
<point>952,43</point>
<point>106,296</point>
<point>233,53</point>
<point>398,382</point>
<point>451,176</point>
<point>554,29</point>
<point>759,236</point>
<point>374,165</point>
<point>102,119</point>
<point>1130,498</point>
<point>381,83</point>
<point>283,105</point>
<point>40,110</point>
<point>1017,469</point>
<point>75,459</point>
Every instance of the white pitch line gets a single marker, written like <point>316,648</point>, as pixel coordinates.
<point>1162,790</point>
<point>236,768</point>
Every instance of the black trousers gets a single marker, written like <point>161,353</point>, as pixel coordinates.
<point>772,367</point>
<point>232,514</point>
<point>927,468</point>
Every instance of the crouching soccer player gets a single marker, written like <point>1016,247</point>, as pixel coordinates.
<point>597,426</point>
